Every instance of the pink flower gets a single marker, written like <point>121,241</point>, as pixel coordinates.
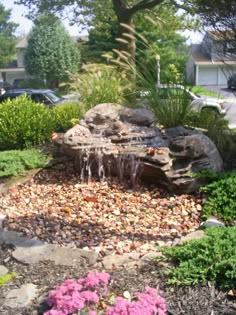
<point>89,296</point>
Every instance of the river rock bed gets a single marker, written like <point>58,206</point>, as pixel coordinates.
<point>107,217</point>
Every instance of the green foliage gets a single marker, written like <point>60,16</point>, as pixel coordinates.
<point>172,110</point>
<point>100,84</point>
<point>217,129</point>
<point>24,123</point>
<point>51,54</point>
<point>32,84</point>
<point>221,198</point>
<point>4,279</point>
<point>212,258</point>
<point>65,115</point>
<point>15,162</point>
<point>7,38</point>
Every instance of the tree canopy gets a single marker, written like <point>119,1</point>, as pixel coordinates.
<point>51,53</point>
<point>87,11</point>
<point>7,38</point>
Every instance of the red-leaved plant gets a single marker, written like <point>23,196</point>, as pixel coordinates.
<point>92,295</point>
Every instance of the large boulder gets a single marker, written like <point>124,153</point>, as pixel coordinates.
<point>126,142</point>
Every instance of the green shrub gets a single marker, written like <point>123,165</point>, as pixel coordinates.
<point>65,114</point>
<point>100,84</point>
<point>24,123</point>
<point>15,162</point>
<point>212,258</point>
<point>221,198</point>
<point>4,279</point>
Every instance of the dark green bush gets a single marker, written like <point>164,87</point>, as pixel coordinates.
<point>15,162</point>
<point>24,123</point>
<point>221,198</point>
<point>64,115</point>
<point>212,258</point>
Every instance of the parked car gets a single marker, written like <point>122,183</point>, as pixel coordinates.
<point>198,103</point>
<point>232,81</point>
<point>4,86</point>
<point>47,97</point>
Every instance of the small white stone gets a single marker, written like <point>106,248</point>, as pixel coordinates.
<point>3,270</point>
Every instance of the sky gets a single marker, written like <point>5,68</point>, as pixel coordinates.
<point>18,12</point>
<point>17,16</point>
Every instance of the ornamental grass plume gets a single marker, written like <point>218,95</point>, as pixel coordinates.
<point>93,295</point>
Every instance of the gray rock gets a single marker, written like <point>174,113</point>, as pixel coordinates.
<point>22,297</point>
<point>2,218</point>
<point>60,255</point>
<point>32,255</point>
<point>211,222</point>
<point>3,270</point>
<point>72,256</point>
<point>117,261</point>
<point>126,142</point>
<point>10,237</point>
<point>196,235</point>
<point>139,116</point>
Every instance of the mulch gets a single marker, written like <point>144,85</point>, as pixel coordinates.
<point>109,218</point>
<point>195,300</point>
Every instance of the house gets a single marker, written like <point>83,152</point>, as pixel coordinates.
<point>213,60</point>
<point>16,69</point>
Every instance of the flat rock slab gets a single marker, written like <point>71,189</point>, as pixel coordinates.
<point>60,255</point>
<point>21,297</point>
<point>3,270</point>
<point>117,261</point>
<point>10,237</point>
<point>196,235</point>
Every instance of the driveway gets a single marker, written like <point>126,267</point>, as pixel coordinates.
<point>222,90</point>
<point>230,104</point>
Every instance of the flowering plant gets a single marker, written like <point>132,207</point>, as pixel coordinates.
<point>93,296</point>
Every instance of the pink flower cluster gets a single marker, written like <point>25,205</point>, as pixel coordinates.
<point>87,293</point>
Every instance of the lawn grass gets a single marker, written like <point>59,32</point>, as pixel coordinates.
<point>201,90</point>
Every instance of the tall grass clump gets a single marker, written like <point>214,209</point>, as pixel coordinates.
<point>24,123</point>
<point>98,84</point>
<point>170,110</point>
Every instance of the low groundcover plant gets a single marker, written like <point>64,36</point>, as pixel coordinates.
<point>93,295</point>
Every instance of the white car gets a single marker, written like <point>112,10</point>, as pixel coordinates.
<point>198,103</point>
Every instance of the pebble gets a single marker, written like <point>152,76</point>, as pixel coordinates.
<point>73,214</point>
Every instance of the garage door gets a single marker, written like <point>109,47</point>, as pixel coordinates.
<point>207,75</point>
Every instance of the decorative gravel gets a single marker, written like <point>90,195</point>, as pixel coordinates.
<point>108,217</point>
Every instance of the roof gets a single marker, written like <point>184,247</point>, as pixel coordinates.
<point>202,58</point>
<point>23,42</point>
<point>222,35</point>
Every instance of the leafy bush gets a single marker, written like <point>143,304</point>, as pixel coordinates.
<point>24,123</point>
<point>212,258</point>
<point>92,295</point>
<point>221,198</point>
<point>4,279</point>
<point>65,114</point>
<point>15,162</point>
<point>100,84</point>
